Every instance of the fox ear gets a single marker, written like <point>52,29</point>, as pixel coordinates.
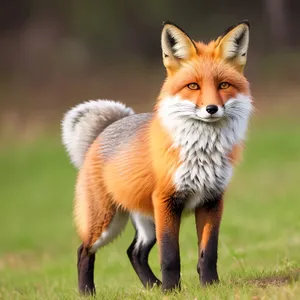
<point>233,45</point>
<point>176,46</point>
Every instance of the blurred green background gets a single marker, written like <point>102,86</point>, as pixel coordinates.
<point>55,54</point>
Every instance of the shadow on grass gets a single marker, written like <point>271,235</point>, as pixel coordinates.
<point>275,279</point>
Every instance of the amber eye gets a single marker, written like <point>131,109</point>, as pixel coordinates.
<point>193,86</point>
<point>224,85</point>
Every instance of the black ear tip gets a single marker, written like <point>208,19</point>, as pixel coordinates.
<point>246,22</point>
<point>173,24</point>
<point>167,22</point>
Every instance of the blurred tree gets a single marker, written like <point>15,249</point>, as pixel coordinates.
<point>278,15</point>
<point>13,14</point>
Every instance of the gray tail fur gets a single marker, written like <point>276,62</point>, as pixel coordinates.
<point>83,123</point>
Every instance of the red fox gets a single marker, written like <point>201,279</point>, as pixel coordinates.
<point>152,167</point>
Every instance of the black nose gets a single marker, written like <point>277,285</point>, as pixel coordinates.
<point>211,109</point>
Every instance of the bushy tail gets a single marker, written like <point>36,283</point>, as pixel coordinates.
<point>84,122</point>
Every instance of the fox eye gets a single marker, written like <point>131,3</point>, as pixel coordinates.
<point>224,85</point>
<point>193,86</point>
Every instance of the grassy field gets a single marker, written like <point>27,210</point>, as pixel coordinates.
<point>259,252</point>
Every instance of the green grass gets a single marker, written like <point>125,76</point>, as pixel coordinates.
<point>259,251</point>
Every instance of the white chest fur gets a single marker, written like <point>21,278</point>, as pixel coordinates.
<point>205,170</point>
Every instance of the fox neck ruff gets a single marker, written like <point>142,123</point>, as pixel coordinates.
<point>205,169</point>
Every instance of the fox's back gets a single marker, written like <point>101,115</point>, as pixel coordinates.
<point>119,134</point>
<point>126,162</point>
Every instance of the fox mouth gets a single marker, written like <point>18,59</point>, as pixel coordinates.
<point>210,119</point>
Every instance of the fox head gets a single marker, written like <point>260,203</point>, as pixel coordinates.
<point>205,81</point>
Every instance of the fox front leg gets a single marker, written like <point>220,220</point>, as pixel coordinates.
<point>167,211</point>
<point>208,219</point>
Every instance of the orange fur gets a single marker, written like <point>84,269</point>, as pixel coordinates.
<point>94,208</point>
<point>129,179</point>
<point>236,155</point>
<point>208,72</point>
<point>165,220</point>
<point>132,176</point>
<point>206,220</point>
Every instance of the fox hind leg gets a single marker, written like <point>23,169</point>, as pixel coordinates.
<point>138,251</point>
<point>114,228</point>
<point>85,267</point>
<point>86,253</point>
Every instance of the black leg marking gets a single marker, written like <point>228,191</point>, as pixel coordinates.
<point>169,243</point>
<point>138,257</point>
<point>207,264</point>
<point>85,267</point>
<point>170,262</point>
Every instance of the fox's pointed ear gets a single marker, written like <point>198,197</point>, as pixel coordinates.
<point>176,46</point>
<point>233,45</point>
